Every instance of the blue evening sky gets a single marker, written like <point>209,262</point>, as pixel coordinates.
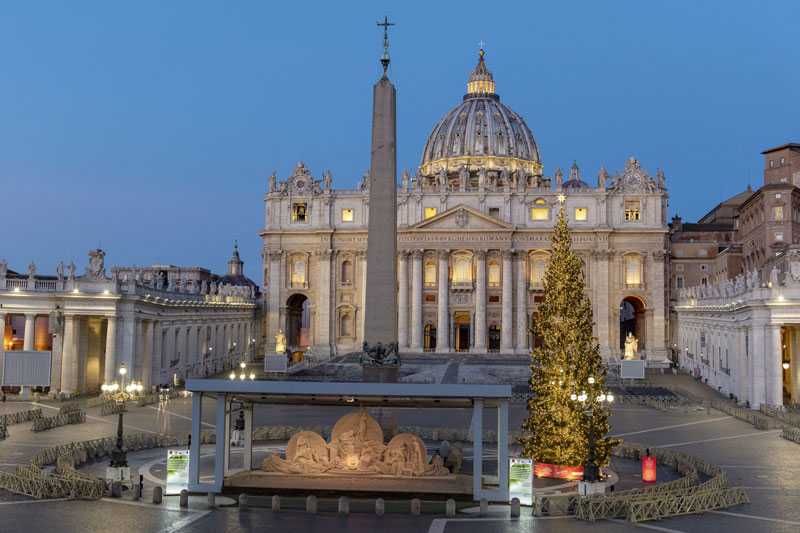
<point>150,127</point>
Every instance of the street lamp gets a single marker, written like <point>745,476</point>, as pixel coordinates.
<point>120,393</point>
<point>589,402</point>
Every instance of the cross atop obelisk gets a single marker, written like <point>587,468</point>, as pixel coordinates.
<point>385,57</point>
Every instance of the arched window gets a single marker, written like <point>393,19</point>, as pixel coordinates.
<point>539,210</point>
<point>346,325</point>
<point>633,270</point>
<point>462,268</point>
<point>347,272</point>
<point>538,266</point>
<point>494,274</point>
<point>430,274</point>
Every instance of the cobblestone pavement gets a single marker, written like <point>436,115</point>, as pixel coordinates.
<point>768,466</point>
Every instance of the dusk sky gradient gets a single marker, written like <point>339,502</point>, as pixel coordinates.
<point>150,128</point>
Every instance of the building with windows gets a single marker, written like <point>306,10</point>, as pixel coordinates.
<point>69,333</point>
<point>474,228</point>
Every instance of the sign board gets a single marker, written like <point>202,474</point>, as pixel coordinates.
<point>631,369</point>
<point>520,480</point>
<point>275,363</point>
<point>177,471</point>
<point>26,369</point>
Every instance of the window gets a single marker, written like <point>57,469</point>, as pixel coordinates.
<point>632,212</point>
<point>678,268</point>
<point>299,212</point>
<point>771,163</point>
<point>462,269</point>
<point>430,212</point>
<point>347,272</point>
<point>346,326</point>
<point>494,212</point>
<point>703,267</point>
<point>430,274</point>
<point>581,214</point>
<point>494,274</point>
<point>679,282</point>
<point>702,252</point>
<point>298,272</point>
<point>633,270</point>
<point>779,236</point>
<point>783,160</point>
<point>540,211</point>
<point>777,213</point>
<point>538,266</point>
<point>704,281</point>
<point>347,214</point>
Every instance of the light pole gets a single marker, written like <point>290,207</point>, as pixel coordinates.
<point>589,402</point>
<point>120,393</point>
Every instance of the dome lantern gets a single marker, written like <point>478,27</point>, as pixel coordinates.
<point>480,81</point>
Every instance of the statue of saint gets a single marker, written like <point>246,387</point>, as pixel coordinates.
<point>631,347</point>
<point>280,342</point>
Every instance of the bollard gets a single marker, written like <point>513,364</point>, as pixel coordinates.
<point>244,505</point>
<point>184,499</point>
<point>311,504</point>
<point>158,495</point>
<point>137,492</point>
<point>416,506</point>
<point>484,507</point>
<point>116,489</point>
<point>211,499</point>
<point>344,505</point>
<point>450,508</point>
<point>276,503</point>
<point>515,508</point>
<point>380,507</point>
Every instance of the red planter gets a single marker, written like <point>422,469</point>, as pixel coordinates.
<point>558,471</point>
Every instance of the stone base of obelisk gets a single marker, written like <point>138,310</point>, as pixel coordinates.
<point>380,374</point>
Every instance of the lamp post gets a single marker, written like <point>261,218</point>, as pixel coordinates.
<point>589,402</point>
<point>120,393</point>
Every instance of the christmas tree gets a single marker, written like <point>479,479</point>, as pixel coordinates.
<point>558,427</point>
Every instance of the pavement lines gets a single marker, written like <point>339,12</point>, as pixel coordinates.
<point>756,517</point>
<point>707,421</point>
<point>439,524</point>
<point>173,413</point>
<point>194,515</point>
<point>22,502</point>
<point>646,526</point>
<point>715,439</point>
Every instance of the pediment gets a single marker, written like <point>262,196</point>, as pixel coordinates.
<point>462,217</point>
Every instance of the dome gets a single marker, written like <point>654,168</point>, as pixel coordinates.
<point>575,181</point>
<point>481,132</point>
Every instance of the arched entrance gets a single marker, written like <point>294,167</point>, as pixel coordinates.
<point>632,320</point>
<point>298,321</point>
<point>429,342</point>
<point>461,321</point>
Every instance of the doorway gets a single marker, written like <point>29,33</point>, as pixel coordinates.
<point>494,338</point>
<point>462,323</point>
<point>632,320</point>
<point>298,321</point>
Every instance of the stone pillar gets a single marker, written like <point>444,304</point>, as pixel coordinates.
<point>30,332</point>
<point>602,303</point>
<point>443,314</point>
<point>506,328</point>
<point>127,354</point>
<point>110,363</point>
<point>147,354</point>
<point>155,360</point>
<point>402,301</point>
<point>2,344</point>
<point>479,344</point>
<point>772,362</point>
<point>416,302</point>
<point>656,341</point>
<point>522,304</point>
<point>362,272</point>
<point>323,330</point>
<point>757,376</point>
<point>69,357</point>
<point>273,299</point>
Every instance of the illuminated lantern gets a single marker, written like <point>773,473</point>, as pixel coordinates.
<point>649,469</point>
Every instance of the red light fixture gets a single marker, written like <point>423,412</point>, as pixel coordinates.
<point>648,468</point>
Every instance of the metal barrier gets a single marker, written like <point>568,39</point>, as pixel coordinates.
<point>22,416</point>
<point>50,422</point>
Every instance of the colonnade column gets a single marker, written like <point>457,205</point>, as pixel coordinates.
<point>361,257</point>
<point>416,301</point>
<point>402,301</point>
<point>506,329</point>
<point>773,359</point>
<point>147,354</point>
<point>743,372</point>
<point>158,348</point>
<point>323,333</point>
<point>110,363</point>
<point>757,376</point>
<point>601,298</point>
<point>2,344</point>
<point>273,299</point>
<point>443,322</point>
<point>69,356</point>
<point>522,304</point>
<point>30,331</point>
<point>480,302</point>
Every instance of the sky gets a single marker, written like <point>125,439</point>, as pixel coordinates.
<point>150,128</point>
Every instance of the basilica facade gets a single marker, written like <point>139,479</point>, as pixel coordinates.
<point>474,228</point>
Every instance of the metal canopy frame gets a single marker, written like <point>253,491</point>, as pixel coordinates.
<point>250,393</point>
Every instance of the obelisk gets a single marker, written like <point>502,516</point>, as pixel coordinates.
<point>381,293</point>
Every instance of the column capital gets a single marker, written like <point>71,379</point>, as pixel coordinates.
<point>403,254</point>
<point>508,253</point>
<point>417,254</point>
<point>443,254</point>
<point>326,253</point>
<point>480,254</point>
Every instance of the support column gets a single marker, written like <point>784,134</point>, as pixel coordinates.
<point>772,361</point>
<point>30,332</point>
<point>127,355</point>
<point>656,341</point>
<point>416,302</point>
<point>110,364</point>
<point>794,367</point>
<point>147,354</point>
<point>502,450</point>
<point>273,300</point>
<point>443,322</point>
<point>506,328</point>
<point>479,345</point>
<point>402,301</point>
<point>757,377</point>
<point>155,360</point>
<point>69,357</point>
<point>522,304</point>
<point>742,368</point>
<point>2,344</point>
<point>323,330</point>
<point>477,449</point>
<point>602,302</point>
